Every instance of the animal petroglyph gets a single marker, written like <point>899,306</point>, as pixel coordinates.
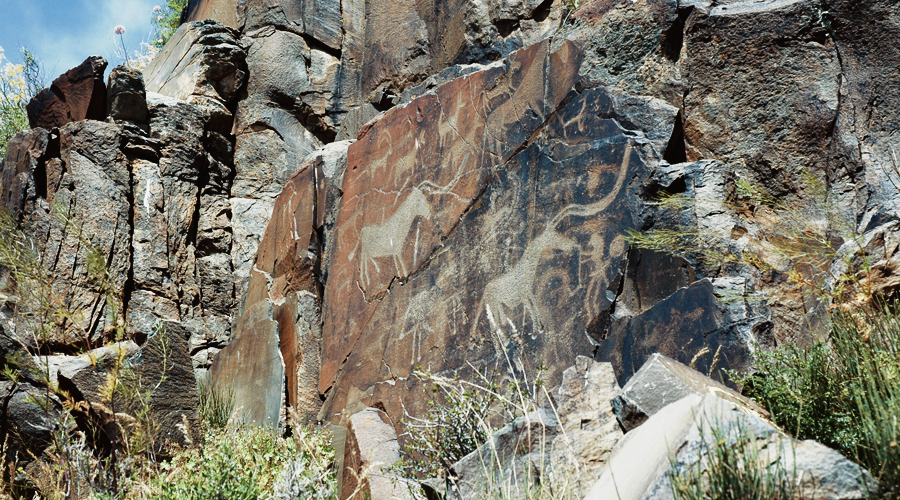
<point>388,238</point>
<point>515,288</point>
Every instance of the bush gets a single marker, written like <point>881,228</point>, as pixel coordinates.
<point>165,20</point>
<point>18,83</point>
<point>251,463</point>
<point>843,392</point>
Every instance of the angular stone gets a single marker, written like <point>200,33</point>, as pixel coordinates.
<point>371,449</point>
<point>20,182</point>
<point>78,94</point>
<point>645,454</point>
<point>518,454</point>
<point>201,60</point>
<point>27,427</point>
<point>126,96</point>
<point>662,381</point>
<point>589,429</point>
<point>668,329</point>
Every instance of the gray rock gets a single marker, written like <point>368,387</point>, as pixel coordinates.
<point>371,448</point>
<point>645,455</point>
<point>202,60</point>
<point>126,96</point>
<point>588,427</point>
<point>252,369</point>
<point>662,381</point>
<point>563,447</point>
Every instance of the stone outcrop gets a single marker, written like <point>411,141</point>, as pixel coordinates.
<point>150,193</point>
<point>644,455</point>
<point>78,94</point>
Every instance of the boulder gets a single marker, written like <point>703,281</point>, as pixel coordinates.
<point>662,381</point>
<point>371,449</point>
<point>158,379</point>
<point>691,426</point>
<point>27,420</point>
<point>201,61</point>
<point>588,426</point>
<point>126,97</point>
<point>665,328</point>
<point>78,94</point>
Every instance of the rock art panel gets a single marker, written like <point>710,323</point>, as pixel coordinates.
<point>531,262</point>
<point>412,175</point>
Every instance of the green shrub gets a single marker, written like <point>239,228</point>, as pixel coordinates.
<point>843,392</point>
<point>18,84</point>
<point>250,463</point>
<point>166,21</point>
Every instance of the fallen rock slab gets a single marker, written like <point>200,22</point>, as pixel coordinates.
<point>662,381</point>
<point>680,434</point>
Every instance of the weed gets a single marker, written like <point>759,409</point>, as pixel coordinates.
<point>165,21</point>
<point>732,464</point>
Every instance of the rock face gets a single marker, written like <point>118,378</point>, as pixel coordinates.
<point>275,357</point>
<point>150,192</point>
<point>79,94</point>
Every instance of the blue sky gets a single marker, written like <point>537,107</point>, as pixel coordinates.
<point>62,33</point>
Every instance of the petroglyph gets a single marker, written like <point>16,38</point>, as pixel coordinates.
<point>516,288</point>
<point>388,238</point>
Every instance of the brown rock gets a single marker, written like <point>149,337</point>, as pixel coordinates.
<point>284,285</point>
<point>76,95</point>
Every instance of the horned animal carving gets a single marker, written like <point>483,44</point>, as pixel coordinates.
<point>515,288</point>
<point>388,238</point>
